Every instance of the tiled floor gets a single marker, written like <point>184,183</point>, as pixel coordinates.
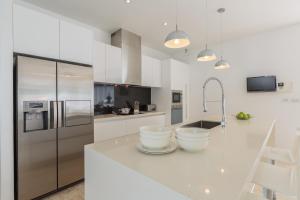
<point>73,193</point>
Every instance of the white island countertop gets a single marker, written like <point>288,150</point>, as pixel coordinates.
<point>115,169</point>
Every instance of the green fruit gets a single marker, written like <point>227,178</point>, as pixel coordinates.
<point>246,117</point>
<point>241,115</point>
<point>249,116</point>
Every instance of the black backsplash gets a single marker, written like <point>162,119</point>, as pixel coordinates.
<point>104,95</point>
<point>108,96</point>
<point>131,94</point>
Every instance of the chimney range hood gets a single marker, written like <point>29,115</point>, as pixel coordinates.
<point>130,44</point>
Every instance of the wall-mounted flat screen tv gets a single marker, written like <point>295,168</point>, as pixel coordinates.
<point>261,84</point>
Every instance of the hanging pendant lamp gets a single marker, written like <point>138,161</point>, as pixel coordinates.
<point>177,39</point>
<point>222,63</point>
<point>206,54</point>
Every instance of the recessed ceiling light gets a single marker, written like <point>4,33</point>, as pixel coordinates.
<point>165,23</point>
<point>207,191</point>
<point>127,1</point>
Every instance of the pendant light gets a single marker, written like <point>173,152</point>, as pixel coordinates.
<point>221,64</point>
<point>177,39</point>
<point>206,54</point>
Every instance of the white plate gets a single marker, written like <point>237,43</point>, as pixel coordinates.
<point>171,148</point>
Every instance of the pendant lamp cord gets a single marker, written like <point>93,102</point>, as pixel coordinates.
<point>221,34</point>
<point>176,15</point>
<point>206,24</point>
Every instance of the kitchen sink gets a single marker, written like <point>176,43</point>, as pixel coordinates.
<point>203,124</point>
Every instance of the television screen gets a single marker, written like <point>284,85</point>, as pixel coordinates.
<point>262,83</point>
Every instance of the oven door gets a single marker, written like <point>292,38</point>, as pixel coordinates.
<point>176,97</point>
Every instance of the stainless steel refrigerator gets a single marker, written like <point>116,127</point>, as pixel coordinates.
<point>53,122</point>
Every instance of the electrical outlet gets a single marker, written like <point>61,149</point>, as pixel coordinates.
<point>287,87</point>
<point>285,100</point>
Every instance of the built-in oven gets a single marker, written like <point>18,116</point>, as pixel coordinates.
<point>177,108</point>
<point>176,97</point>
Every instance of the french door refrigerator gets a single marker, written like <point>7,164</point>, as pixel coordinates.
<point>53,122</point>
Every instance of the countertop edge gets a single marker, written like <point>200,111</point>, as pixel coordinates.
<point>124,117</point>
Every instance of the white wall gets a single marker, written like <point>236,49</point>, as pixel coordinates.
<point>6,101</point>
<point>270,53</point>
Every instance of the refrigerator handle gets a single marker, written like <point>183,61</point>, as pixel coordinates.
<point>60,114</point>
<point>53,114</point>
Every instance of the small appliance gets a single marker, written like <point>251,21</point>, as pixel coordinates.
<point>176,97</point>
<point>148,107</point>
<point>176,107</point>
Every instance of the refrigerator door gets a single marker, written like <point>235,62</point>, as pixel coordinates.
<point>75,120</point>
<point>35,136</point>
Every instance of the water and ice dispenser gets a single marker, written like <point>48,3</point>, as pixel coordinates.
<point>35,115</point>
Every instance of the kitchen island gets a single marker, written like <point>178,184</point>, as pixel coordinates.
<point>115,170</point>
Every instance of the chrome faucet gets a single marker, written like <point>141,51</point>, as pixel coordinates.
<point>223,122</point>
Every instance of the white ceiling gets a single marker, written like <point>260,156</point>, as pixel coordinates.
<point>146,17</point>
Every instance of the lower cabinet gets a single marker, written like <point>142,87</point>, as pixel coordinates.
<point>104,130</point>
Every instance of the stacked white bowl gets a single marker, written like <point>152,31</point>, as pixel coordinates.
<point>192,139</point>
<point>155,137</point>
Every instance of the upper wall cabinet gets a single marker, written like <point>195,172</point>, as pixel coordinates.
<point>99,61</point>
<point>179,75</point>
<point>151,72</point>
<point>107,63</point>
<point>35,33</point>
<point>76,43</point>
<point>113,64</point>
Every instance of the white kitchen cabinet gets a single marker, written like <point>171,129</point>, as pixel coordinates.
<point>157,73</point>
<point>108,129</point>
<point>147,74</point>
<point>179,75</point>
<point>113,64</point>
<point>99,61</point>
<point>107,63</point>
<point>151,72</point>
<point>35,33</point>
<point>180,81</point>
<point>76,43</point>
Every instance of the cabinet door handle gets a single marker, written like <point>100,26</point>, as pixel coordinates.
<point>53,114</point>
<point>60,114</point>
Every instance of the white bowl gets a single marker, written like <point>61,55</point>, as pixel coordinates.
<point>154,136</point>
<point>193,139</point>
<point>155,143</point>
<point>192,145</point>
<point>155,131</point>
<point>192,132</point>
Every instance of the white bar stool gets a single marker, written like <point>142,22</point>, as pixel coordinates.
<point>286,156</point>
<point>283,180</point>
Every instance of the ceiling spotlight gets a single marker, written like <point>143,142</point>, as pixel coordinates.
<point>127,1</point>
<point>207,191</point>
<point>165,23</point>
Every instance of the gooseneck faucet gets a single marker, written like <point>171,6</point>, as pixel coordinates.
<point>223,122</point>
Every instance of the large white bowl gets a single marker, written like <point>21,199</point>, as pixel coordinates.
<point>192,145</point>
<point>155,131</point>
<point>155,143</point>
<point>193,139</point>
<point>153,136</point>
<point>192,133</point>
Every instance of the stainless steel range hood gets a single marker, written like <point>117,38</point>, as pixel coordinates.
<point>130,44</point>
